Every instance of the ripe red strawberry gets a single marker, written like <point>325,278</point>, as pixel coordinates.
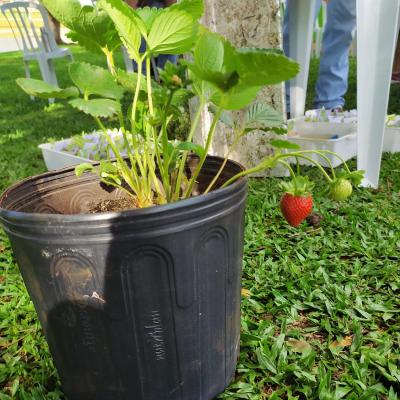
<point>297,203</point>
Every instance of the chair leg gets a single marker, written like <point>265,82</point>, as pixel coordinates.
<point>301,22</point>
<point>48,73</point>
<point>28,74</point>
<point>377,29</point>
<point>128,62</point>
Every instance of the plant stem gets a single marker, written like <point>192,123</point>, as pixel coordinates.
<point>182,162</point>
<point>243,173</point>
<point>340,158</point>
<point>154,134</point>
<point>301,155</point>
<point>123,165</point>
<point>206,149</point>
<point>321,154</point>
<point>110,60</point>
<point>127,144</point>
<point>121,121</point>
<point>287,165</point>
<point>164,137</point>
<point>133,119</point>
<point>235,142</point>
<point>136,95</point>
<point>149,93</point>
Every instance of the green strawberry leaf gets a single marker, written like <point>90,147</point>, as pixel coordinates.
<point>172,32</point>
<point>189,146</point>
<point>260,67</point>
<point>225,117</point>
<point>278,130</point>
<point>181,97</point>
<point>84,167</point>
<point>65,11</point>
<point>91,79</point>
<point>128,24</point>
<point>193,7</point>
<point>147,15</point>
<point>109,172</point>
<point>214,61</point>
<point>260,115</point>
<point>284,144</point>
<point>129,80</point>
<point>44,90</point>
<point>356,177</point>
<point>90,27</point>
<point>208,53</point>
<point>237,97</point>
<point>104,108</point>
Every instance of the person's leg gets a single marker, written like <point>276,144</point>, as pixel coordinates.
<point>334,62</point>
<point>163,58</point>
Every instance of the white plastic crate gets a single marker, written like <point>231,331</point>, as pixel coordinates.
<point>391,142</point>
<point>340,138</point>
<point>55,159</point>
<point>91,147</point>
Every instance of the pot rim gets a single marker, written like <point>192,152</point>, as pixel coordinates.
<point>212,196</point>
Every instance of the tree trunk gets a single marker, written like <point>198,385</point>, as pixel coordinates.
<point>246,24</point>
<point>55,27</point>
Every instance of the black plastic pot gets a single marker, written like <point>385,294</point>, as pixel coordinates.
<point>139,305</point>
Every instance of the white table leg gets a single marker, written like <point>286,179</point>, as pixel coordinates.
<point>301,26</point>
<point>377,29</point>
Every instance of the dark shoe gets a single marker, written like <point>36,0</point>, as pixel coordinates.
<point>396,77</point>
<point>337,110</point>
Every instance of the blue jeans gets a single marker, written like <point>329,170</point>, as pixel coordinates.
<point>334,62</point>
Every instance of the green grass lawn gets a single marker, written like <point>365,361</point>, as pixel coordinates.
<point>321,306</point>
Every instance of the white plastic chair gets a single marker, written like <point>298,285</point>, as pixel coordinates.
<point>127,60</point>
<point>301,27</point>
<point>38,42</point>
<point>377,29</point>
<point>377,26</point>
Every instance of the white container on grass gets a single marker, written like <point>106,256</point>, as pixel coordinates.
<point>391,141</point>
<point>340,138</point>
<point>55,159</point>
<point>90,147</point>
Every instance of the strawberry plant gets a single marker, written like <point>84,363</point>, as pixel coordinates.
<point>221,76</point>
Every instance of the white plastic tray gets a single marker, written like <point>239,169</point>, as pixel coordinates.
<point>59,159</point>
<point>339,138</point>
<point>319,136</point>
<point>391,142</point>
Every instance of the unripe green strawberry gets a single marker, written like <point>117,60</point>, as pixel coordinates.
<point>341,189</point>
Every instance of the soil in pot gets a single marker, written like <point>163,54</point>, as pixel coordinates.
<point>123,204</point>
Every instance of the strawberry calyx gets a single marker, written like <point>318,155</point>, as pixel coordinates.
<point>298,186</point>
<point>355,177</point>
